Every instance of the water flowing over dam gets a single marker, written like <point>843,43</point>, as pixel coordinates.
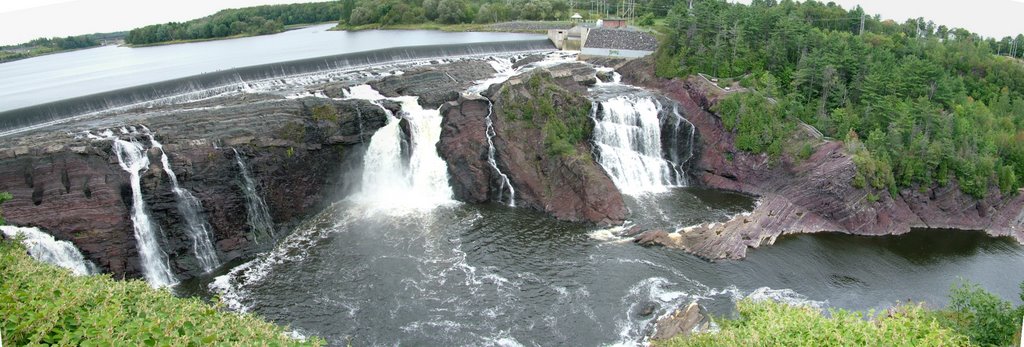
<point>252,78</point>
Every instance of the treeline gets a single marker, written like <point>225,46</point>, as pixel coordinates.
<point>44,45</point>
<point>395,12</point>
<point>259,20</point>
<point>919,104</point>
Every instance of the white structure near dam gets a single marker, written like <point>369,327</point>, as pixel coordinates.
<point>607,38</point>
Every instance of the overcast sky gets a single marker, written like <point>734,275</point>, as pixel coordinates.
<point>23,20</point>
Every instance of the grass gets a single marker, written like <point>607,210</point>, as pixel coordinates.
<point>44,305</point>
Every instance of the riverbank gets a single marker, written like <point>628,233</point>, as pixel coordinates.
<point>174,42</point>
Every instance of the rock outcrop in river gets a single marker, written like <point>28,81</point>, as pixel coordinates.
<point>541,138</point>
<point>72,186</point>
<point>813,195</point>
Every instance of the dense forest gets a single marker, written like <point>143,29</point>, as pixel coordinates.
<point>44,45</point>
<point>259,20</point>
<point>919,104</point>
<point>398,12</point>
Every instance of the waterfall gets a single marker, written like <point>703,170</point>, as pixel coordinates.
<point>198,230</point>
<point>628,137</point>
<point>45,248</point>
<point>387,181</point>
<point>671,144</point>
<point>256,209</point>
<point>505,182</point>
<point>132,157</point>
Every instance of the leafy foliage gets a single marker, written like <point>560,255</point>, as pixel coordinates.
<point>934,104</point>
<point>44,45</point>
<point>562,115</point>
<point>769,323</point>
<point>43,304</point>
<point>258,20</point>
<point>4,197</point>
<point>987,319</point>
<point>399,12</point>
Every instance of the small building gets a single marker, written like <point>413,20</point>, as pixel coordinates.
<point>576,18</point>
<point>613,23</point>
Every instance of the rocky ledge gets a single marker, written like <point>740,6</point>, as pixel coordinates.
<point>809,196</point>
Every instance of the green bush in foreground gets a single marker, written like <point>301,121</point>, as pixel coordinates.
<point>775,324</point>
<point>43,304</point>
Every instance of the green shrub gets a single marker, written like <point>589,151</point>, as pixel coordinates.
<point>984,317</point>
<point>4,197</point>
<point>770,323</point>
<point>43,304</point>
<point>325,112</point>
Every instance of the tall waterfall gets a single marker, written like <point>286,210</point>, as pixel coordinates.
<point>132,157</point>
<point>387,180</point>
<point>628,137</point>
<point>505,182</point>
<point>256,209</point>
<point>46,249</point>
<point>198,230</point>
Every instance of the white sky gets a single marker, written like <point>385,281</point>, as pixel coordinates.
<point>23,20</point>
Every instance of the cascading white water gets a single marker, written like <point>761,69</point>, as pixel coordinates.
<point>387,181</point>
<point>628,136</point>
<point>198,230</point>
<point>132,157</point>
<point>45,248</point>
<point>256,209</point>
<point>505,182</point>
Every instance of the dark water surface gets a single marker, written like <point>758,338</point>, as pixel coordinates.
<point>492,275</point>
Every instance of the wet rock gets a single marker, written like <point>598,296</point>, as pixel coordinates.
<point>527,60</point>
<point>647,309</point>
<point>649,238</point>
<point>435,85</point>
<point>632,231</point>
<point>685,322</point>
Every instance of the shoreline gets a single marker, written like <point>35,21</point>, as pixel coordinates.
<point>175,42</point>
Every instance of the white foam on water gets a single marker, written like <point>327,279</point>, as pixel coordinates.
<point>43,247</point>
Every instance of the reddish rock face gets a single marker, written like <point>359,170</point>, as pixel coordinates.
<point>74,188</point>
<point>570,188</point>
<point>813,195</point>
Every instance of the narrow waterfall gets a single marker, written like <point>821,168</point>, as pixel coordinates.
<point>505,182</point>
<point>671,144</point>
<point>196,226</point>
<point>387,180</point>
<point>132,157</point>
<point>628,137</point>
<point>45,248</point>
<point>256,209</point>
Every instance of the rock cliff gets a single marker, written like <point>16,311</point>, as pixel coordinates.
<point>73,187</point>
<point>813,195</point>
<point>541,140</point>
